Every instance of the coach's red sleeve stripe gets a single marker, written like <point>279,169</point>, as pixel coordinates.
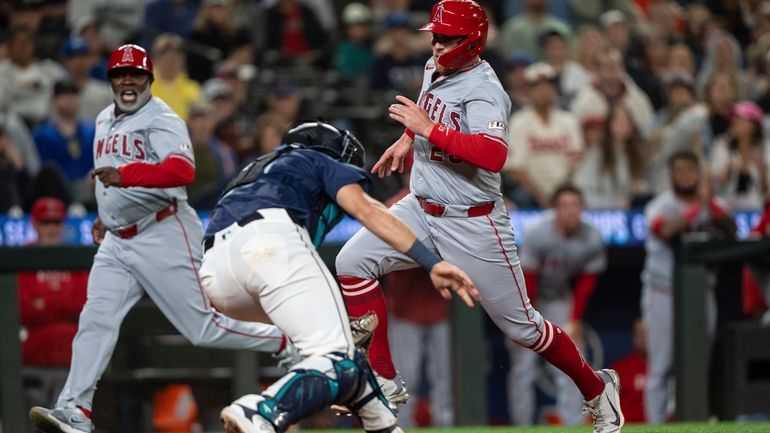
<point>530,279</point>
<point>175,170</point>
<point>656,227</point>
<point>584,287</point>
<point>482,150</point>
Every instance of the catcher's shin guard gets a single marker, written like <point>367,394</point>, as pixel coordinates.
<point>310,386</point>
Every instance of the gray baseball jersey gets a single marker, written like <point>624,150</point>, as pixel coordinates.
<point>558,260</point>
<point>149,135</point>
<point>471,102</point>
<point>161,260</point>
<point>658,269</point>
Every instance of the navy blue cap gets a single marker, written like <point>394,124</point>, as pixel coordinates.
<point>73,46</point>
<point>283,86</point>
<point>396,20</point>
<point>519,58</point>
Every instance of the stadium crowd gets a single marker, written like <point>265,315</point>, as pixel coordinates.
<point>603,91</point>
<point>627,83</point>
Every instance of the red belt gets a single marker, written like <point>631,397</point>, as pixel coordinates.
<point>132,230</point>
<point>437,209</point>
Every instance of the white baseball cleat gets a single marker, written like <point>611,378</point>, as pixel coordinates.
<point>60,420</point>
<point>240,419</point>
<point>394,391</point>
<point>605,408</point>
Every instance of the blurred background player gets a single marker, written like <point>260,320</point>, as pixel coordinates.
<point>632,370</point>
<point>50,303</point>
<point>562,258</point>
<point>688,207</point>
<point>420,337</point>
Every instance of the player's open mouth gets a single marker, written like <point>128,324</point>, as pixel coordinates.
<point>128,96</point>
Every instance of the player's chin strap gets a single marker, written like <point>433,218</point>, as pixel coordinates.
<point>306,389</point>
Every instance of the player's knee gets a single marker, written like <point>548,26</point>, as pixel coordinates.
<point>351,261</point>
<point>526,335</point>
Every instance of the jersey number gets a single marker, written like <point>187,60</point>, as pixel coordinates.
<point>438,155</point>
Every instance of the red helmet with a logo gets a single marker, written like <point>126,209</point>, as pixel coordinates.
<point>459,18</point>
<point>129,56</point>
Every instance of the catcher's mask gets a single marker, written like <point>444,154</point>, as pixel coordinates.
<point>322,137</point>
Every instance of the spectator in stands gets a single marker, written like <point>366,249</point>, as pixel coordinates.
<point>268,130</point>
<point>168,16</point>
<point>27,82</point>
<point>632,370</point>
<point>78,60</point>
<point>689,206</point>
<point>171,83</point>
<point>520,32</point>
<point>590,43</point>
<point>681,60</point>
<point>589,12</point>
<point>723,55</point>
<point>652,68</point>
<point>515,82</point>
<point>13,175</point>
<point>603,172</point>
<point>613,87</point>
<point>230,132</point>
<point>544,142</point>
<point>696,128</point>
<point>87,28</point>
<point>397,67</point>
<point>572,76</point>
<point>215,162</point>
<point>561,259</point>
<point>618,32</point>
<point>285,99</point>
<point>560,9</point>
<point>740,159</point>
<point>680,96</point>
<point>66,142</point>
<point>420,335</point>
<point>354,56</point>
<point>50,303</point>
<point>21,139</point>
<point>118,21</point>
<point>216,38</point>
<point>219,93</point>
<point>296,32</point>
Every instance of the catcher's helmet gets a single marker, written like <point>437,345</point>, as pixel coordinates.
<point>129,56</point>
<point>459,18</point>
<point>322,137</point>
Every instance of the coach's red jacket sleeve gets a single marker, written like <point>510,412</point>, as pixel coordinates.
<point>175,170</point>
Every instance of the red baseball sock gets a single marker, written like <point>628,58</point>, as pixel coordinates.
<point>558,348</point>
<point>362,296</point>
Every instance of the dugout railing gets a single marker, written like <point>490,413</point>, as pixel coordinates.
<point>468,348</point>
<point>691,346</point>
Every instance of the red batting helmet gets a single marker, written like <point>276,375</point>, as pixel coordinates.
<point>129,56</point>
<point>459,18</point>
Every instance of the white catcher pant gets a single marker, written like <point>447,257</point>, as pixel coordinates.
<point>271,265</point>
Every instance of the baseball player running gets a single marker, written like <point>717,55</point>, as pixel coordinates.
<point>260,263</point>
<point>149,241</point>
<point>561,259</point>
<point>457,129</point>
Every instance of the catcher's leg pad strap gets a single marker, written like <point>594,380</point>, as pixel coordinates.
<point>310,386</point>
